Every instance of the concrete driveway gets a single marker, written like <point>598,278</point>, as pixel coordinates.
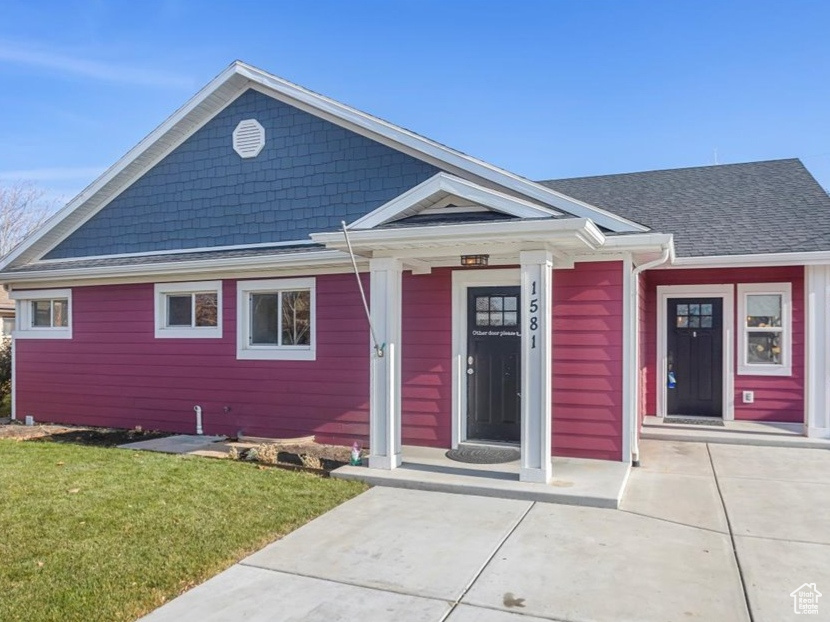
<point>705,532</point>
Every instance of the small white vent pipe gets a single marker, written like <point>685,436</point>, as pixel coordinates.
<point>198,410</point>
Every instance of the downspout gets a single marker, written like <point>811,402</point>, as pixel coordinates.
<point>635,356</point>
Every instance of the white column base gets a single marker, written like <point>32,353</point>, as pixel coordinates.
<point>817,432</point>
<point>536,476</point>
<point>385,462</point>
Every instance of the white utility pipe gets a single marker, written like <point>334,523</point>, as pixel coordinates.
<point>198,410</point>
<point>635,356</point>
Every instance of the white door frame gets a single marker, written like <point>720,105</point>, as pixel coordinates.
<point>727,294</point>
<point>462,280</point>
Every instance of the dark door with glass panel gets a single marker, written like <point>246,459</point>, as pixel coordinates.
<point>695,357</point>
<point>493,364</point>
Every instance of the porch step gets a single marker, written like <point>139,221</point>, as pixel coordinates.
<point>594,483</point>
<point>760,433</point>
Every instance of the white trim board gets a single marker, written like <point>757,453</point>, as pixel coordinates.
<point>24,320</point>
<point>223,90</point>
<point>816,347</point>
<point>462,280</point>
<point>181,251</point>
<point>423,195</point>
<point>160,293</point>
<point>630,371</point>
<point>784,290</point>
<point>304,260</point>
<point>245,349</point>
<point>761,260</point>
<point>725,292</point>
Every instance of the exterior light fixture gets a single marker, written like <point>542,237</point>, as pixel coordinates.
<point>474,261</point>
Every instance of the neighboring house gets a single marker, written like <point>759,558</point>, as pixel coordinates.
<point>207,267</point>
<point>6,314</point>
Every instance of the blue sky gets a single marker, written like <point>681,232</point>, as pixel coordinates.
<point>545,89</point>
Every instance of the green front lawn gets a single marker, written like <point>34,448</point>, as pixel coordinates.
<point>88,533</point>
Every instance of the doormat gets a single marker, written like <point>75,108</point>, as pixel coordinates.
<point>694,421</point>
<point>474,454</point>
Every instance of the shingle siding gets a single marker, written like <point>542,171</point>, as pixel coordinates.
<point>311,175</point>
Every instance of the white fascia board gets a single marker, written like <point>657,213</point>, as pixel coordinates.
<point>582,229</point>
<point>180,251</point>
<point>639,244</point>
<point>206,266</point>
<point>640,241</point>
<point>749,261</point>
<point>443,183</point>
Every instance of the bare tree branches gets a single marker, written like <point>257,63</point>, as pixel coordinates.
<point>23,208</point>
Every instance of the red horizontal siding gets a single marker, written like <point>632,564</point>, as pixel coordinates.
<point>426,372</point>
<point>115,373</point>
<point>776,398</point>
<point>587,361</point>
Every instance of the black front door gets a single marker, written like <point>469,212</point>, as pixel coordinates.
<point>695,357</point>
<point>493,364</point>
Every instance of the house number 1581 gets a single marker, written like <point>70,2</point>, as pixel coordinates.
<point>534,319</point>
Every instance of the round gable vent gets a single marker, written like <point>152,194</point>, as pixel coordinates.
<point>248,138</point>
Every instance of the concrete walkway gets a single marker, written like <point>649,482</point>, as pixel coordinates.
<point>704,533</point>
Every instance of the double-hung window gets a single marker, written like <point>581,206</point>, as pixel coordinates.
<point>765,329</point>
<point>44,314</point>
<point>189,310</point>
<point>276,319</point>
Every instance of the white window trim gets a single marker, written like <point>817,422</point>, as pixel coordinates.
<point>23,311</point>
<point>785,291</point>
<point>162,290</point>
<point>244,350</point>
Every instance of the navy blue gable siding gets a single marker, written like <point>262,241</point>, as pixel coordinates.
<point>311,175</point>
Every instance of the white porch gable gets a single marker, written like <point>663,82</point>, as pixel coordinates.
<point>444,193</point>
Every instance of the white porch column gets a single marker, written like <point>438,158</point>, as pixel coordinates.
<point>817,342</point>
<point>385,371</point>
<point>537,287</point>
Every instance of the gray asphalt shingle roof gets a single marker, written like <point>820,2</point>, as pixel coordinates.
<point>165,258</point>
<point>733,209</point>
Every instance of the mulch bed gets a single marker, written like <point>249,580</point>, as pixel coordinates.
<point>80,435</point>
<point>291,455</point>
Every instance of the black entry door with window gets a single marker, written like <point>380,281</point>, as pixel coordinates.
<point>493,364</point>
<point>695,357</point>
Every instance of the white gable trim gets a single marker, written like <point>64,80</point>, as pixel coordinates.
<point>223,90</point>
<point>407,203</point>
<point>428,150</point>
<point>187,120</point>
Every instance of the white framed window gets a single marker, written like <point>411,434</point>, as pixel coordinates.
<point>188,310</point>
<point>43,314</point>
<point>276,319</point>
<point>765,329</point>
